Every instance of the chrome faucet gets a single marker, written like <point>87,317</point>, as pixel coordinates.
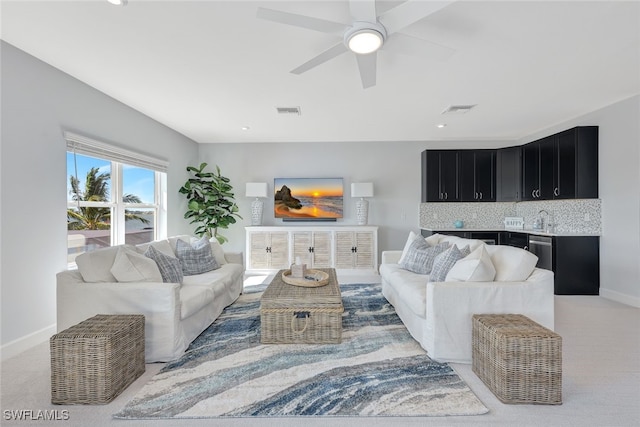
<point>540,222</point>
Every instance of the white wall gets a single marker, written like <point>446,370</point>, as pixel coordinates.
<point>619,181</point>
<point>38,103</point>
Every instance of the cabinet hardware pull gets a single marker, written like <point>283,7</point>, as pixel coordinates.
<point>481,195</point>
<point>446,196</point>
<point>556,191</point>
<point>310,249</point>
<point>533,193</point>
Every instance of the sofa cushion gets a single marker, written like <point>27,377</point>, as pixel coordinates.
<point>511,264</point>
<point>132,266</point>
<point>411,287</point>
<point>195,258</point>
<point>475,267</point>
<point>169,266</point>
<point>420,256</point>
<point>95,266</point>
<point>445,261</point>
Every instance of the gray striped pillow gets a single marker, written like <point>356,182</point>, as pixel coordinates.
<point>196,258</point>
<point>420,256</point>
<point>445,262</point>
<point>169,266</point>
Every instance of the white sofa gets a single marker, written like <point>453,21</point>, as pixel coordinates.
<point>438,315</point>
<point>175,313</point>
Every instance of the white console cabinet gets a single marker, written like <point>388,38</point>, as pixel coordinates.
<point>350,249</point>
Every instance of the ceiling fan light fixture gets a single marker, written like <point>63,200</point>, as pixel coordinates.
<point>365,41</point>
<point>118,2</point>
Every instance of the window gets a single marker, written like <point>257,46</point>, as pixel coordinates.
<point>114,196</point>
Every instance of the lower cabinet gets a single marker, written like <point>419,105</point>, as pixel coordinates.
<point>576,265</point>
<point>346,248</point>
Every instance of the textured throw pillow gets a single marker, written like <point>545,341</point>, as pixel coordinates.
<point>407,244</point>
<point>196,258</point>
<point>444,262</point>
<point>420,256</point>
<point>131,266</point>
<point>475,267</point>
<point>169,266</point>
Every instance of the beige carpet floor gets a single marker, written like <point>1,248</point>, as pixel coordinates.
<point>601,376</point>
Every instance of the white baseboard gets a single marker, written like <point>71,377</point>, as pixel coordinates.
<point>16,347</point>
<point>619,297</point>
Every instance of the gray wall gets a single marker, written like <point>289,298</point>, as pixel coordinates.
<point>38,103</point>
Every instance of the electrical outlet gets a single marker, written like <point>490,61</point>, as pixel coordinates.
<point>587,217</point>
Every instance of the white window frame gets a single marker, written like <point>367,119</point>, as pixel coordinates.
<point>119,157</point>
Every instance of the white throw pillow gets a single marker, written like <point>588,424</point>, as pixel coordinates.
<point>512,264</point>
<point>475,267</point>
<point>218,252</point>
<point>434,239</point>
<point>160,245</point>
<point>95,266</point>
<point>131,266</point>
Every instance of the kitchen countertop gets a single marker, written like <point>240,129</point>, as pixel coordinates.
<point>514,230</point>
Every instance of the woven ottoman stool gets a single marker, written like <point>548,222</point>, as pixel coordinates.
<point>93,361</point>
<point>519,360</point>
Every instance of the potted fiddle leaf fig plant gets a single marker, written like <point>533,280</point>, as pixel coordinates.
<point>211,202</point>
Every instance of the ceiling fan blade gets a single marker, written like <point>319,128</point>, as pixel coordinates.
<point>321,59</point>
<point>409,12</point>
<point>363,10</point>
<point>367,67</point>
<point>308,22</point>
<point>409,45</point>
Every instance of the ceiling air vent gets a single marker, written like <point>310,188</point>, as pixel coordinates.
<point>458,109</point>
<point>289,110</point>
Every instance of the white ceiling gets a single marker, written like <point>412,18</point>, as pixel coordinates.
<point>208,68</point>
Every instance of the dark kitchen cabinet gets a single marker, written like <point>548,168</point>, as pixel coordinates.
<point>576,265</point>
<point>477,175</point>
<point>575,171</point>
<point>561,166</point>
<point>509,174</point>
<point>537,169</point>
<point>440,176</point>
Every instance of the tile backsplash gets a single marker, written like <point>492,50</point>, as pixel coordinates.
<point>568,216</point>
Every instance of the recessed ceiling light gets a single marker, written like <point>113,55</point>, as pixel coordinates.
<point>441,125</point>
<point>245,128</point>
<point>118,2</point>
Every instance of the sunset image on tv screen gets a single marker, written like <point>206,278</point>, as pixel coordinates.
<point>319,198</point>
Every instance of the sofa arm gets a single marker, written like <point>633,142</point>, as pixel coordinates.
<point>391,257</point>
<point>451,305</point>
<point>158,302</point>
<point>234,257</point>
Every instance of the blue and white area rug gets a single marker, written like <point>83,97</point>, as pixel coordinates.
<point>378,370</point>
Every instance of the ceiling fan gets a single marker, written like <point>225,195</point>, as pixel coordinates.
<point>367,33</point>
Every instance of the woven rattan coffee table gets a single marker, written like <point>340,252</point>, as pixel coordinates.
<point>292,314</point>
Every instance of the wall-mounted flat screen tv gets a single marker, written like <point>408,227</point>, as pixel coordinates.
<point>308,199</point>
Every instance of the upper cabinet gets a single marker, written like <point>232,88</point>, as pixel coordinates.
<point>477,175</point>
<point>440,176</point>
<point>561,166</point>
<point>576,164</point>
<point>509,174</point>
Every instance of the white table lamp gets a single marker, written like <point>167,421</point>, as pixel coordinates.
<point>362,190</point>
<point>257,190</point>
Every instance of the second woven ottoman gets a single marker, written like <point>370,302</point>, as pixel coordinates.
<point>93,361</point>
<point>519,360</point>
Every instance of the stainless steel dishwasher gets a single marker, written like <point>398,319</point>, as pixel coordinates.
<point>542,247</point>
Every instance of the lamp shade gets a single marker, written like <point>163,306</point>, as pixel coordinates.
<point>256,189</point>
<point>362,189</point>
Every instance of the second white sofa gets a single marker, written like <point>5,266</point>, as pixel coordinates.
<point>438,314</point>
